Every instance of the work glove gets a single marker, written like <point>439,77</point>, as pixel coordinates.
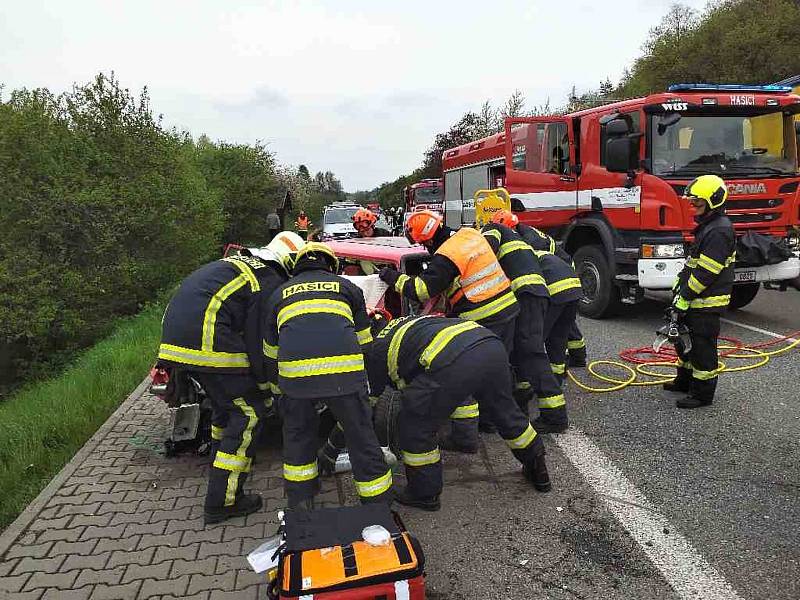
<point>680,305</point>
<point>389,276</point>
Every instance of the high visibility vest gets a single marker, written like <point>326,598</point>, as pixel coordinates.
<point>480,275</point>
<point>302,223</point>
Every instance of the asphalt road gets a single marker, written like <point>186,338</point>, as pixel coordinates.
<point>726,476</point>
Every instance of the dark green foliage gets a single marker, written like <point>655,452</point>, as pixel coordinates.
<point>734,41</point>
<point>100,207</point>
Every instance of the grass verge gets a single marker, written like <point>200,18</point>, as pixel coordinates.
<point>43,425</point>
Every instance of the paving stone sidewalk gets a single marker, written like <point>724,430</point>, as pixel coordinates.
<point>121,521</point>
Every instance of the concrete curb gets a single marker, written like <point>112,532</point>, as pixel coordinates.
<point>20,524</point>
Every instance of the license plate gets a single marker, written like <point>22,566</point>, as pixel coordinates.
<point>745,276</point>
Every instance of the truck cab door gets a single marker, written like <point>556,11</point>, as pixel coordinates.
<point>540,155</point>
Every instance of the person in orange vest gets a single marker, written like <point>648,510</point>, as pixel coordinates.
<point>465,268</point>
<point>302,224</point>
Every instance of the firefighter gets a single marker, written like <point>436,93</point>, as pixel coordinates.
<point>302,224</point>
<point>364,222</point>
<point>436,362</point>
<point>318,327</point>
<point>465,268</point>
<point>530,355</point>
<point>213,328</point>
<point>539,240</point>
<point>703,291</point>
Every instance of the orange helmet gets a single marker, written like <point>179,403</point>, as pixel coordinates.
<point>364,218</point>
<point>422,225</point>
<point>505,217</point>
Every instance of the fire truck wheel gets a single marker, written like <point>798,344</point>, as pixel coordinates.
<point>743,294</point>
<point>601,297</point>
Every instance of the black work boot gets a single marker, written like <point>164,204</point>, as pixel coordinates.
<point>447,442</point>
<point>681,384</point>
<point>244,505</point>
<point>577,358</point>
<point>430,503</point>
<point>485,426</point>
<point>551,420</point>
<point>693,401</point>
<point>535,471</point>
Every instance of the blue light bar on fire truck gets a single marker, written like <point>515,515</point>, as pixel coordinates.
<point>712,87</point>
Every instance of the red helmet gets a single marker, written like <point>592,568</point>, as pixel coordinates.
<point>364,218</point>
<point>505,217</point>
<point>422,225</point>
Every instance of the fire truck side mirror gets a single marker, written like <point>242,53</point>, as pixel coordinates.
<point>622,154</point>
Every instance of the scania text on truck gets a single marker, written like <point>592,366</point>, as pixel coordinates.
<point>607,183</point>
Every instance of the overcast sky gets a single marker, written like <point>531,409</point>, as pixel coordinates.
<point>359,87</point>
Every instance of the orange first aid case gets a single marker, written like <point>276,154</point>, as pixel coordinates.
<point>326,558</point>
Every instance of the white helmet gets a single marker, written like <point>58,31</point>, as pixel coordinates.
<point>285,246</point>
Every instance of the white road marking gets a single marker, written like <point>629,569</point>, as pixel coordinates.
<point>685,570</point>
<point>756,329</point>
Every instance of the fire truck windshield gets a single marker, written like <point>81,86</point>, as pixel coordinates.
<point>428,195</point>
<point>339,215</point>
<point>735,146</point>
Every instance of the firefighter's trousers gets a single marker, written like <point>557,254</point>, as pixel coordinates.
<point>698,368</point>
<point>465,418</point>
<point>576,344</point>
<point>557,323</point>
<point>239,408</point>
<point>482,372</point>
<point>530,356</point>
<point>373,478</point>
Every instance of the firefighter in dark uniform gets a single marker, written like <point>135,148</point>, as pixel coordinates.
<point>539,240</point>
<point>318,328</point>
<point>213,328</point>
<point>703,291</point>
<point>436,362</point>
<point>530,355</point>
<point>466,270</point>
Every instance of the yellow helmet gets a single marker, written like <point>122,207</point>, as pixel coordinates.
<point>710,188</point>
<point>315,250</point>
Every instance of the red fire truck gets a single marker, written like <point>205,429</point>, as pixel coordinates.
<point>606,182</point>
<point>426,194</point>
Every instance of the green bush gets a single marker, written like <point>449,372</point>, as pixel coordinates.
<point>100,208</point>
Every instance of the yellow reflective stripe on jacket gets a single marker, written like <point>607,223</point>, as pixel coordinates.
<point>270,351</point>
<point>300,472</point>
<point>376,487</point>
<point>696,285</point>
<point>468,411</point>
<point>494,307</point>
<point>552,401</point>
<point>558,368</point>
<point>210,316</point>
<point>203,358</point>
<point>401,282</point>
<point>364,336</point>
<point>421,288</point>
<point>494,233</point>
<point>307,307</point>
<point>529,279</point>
<point>247,272</point>
<point>711,265</point>
<point>231,462</point>
<point>420,459</point>
<point>440,341</point>
<point>393,355</point>
<point>710,302</point>
<point>563,285</point>
<point>326,365</point>
<point>512,246</point>
<point>523,440</point>
<point>576,344</point>
<point>217,432</point>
